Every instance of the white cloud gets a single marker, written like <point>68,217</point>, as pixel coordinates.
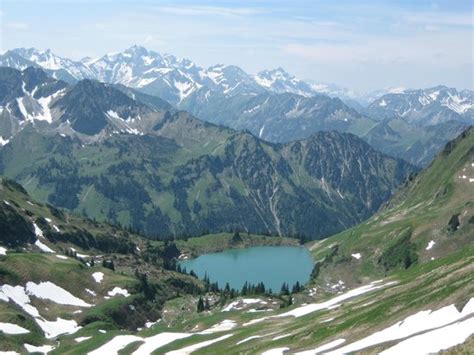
<point>19,26</point>
<point>440,19</point>
<point>209,10</point>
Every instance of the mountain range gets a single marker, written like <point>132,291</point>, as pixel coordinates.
<point>274,105</point>
<point>99,150</point>
<point>401,280</point>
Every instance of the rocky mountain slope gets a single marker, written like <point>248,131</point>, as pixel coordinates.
<point>426,220</point>
<point>60,273</point>
<point>285,117</point>
<point>400,282</point>
<point>103,153</point>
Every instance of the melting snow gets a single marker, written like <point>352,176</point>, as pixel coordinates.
<point>118,291</point>
<point>91,292</point>
<point>223,326</point>
<point>151,324</point>
<point>38,231</point>
<point>281,336</point>
<point>430,245</point>
<point>434,341</point>
<point>39,349</point>
<point>61,257</point>
<point>43,247</point>
<point>323,348</point>
<point>3,251</point>
<point>60,326</point>
<point>3,141</point>
<point>158,341</point>
<point>248,339</point>
<point>81,339</point>
<point>304,310</point>
<point>116,344</point>
<point>98,276</point>
<point>19,295</point>
<point>356,255</point>
<point>419,322</point>
<point>191,348</point>
<point>243,302</point>
<point>330,304</point>
<point>50,291</point>
<point>10,328</point>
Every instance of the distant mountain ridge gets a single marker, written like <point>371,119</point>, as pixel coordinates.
<point>166,76</point>
<point>426,106</point>
<point>273,105</point>
<point>109,152</point>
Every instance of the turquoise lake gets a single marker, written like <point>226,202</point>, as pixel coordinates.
<point>270,265</point>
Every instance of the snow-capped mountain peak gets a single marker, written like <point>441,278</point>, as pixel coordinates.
<point>426,106</point>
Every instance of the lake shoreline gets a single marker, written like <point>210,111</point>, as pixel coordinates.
<point>215,243</point>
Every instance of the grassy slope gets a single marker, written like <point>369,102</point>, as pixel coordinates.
<point>419,288</point>
<point>421,210</point>
<point>24,263</point>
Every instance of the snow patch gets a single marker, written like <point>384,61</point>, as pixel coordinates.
<point>39,349</point>
<point>50,291</point>
<point>330,304</point>
<point>322,348</point>
<point>81,339</point>
<point>158,341</point>
<point>223,326</point>
<point>3,141</point>
<point>419,322</point>
<point>10,328</point>
<point>240,304</point>
<point>115,345</point>
<point>189,349</point>
<point>434,341</point>
<point>3,251</point>
<point>248,339</point>
<point>118,291</point>
<point>356,256</point>
<point>91,292</point>
<point>98,276</point>
<point>43,246</point>
<point>430,245</point>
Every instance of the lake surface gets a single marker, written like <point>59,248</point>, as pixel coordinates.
<point>270,265</point>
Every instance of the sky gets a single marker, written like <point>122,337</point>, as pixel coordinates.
<point>363,45</point>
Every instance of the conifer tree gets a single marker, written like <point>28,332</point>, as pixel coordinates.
<point>200,305</point>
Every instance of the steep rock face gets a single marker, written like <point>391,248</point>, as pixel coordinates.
<point>89,104</point>
<point>88,109</point>
<point>429,217</point>
<point>168,183</point>
<point>275,117</point>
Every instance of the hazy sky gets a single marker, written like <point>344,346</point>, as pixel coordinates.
<point>364,45</point>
